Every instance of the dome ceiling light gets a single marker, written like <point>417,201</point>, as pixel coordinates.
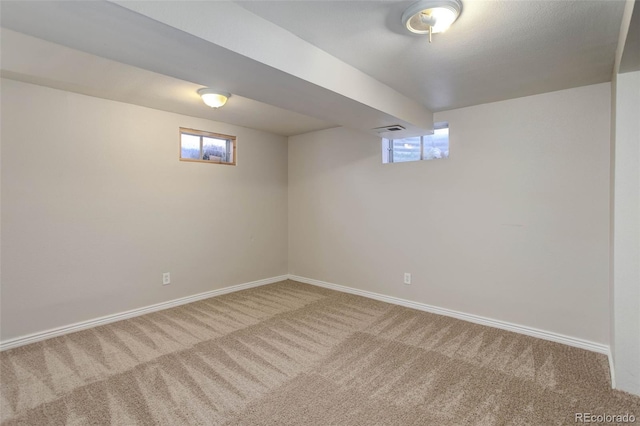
<point>212,97</point>
<point>431,16</point>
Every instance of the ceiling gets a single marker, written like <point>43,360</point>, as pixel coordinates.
<point>299,66</point>
<point>630,60</point>
<point>36,61</point>
<point>496,50</point>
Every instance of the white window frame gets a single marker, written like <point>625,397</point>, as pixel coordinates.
<point>389,156</point>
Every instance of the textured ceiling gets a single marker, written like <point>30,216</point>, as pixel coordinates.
<point>297,66</point>
<point>496,50</point>
<point>37,61</point>
<point>243,54</point>
<point>631,56</point>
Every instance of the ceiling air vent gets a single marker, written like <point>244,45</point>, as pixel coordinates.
<point>392,128</point>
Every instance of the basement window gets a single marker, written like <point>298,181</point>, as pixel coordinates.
<point>207,147</point>
<point>426,147</point>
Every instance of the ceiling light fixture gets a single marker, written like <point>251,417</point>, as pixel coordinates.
<point>431,16</point>
<point>212,97</point>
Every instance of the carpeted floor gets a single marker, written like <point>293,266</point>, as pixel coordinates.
<point>294,354</point>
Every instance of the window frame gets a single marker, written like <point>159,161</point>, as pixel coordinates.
<point>390,150</point>
<point>231,142</point>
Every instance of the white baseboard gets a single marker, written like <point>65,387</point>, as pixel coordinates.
<point>529,331</point>
<point>59,331</point>
<point>612,370</point>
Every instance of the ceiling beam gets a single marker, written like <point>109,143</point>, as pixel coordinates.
<point>221,44</point>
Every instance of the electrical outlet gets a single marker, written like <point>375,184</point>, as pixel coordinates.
<point>407,278</point>
<point>166,278</point>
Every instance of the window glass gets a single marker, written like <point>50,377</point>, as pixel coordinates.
<point>190,146</point>
<point>407,149</point>
<point>436,145</point>
<point>198,145</point>
<point>214,149</point>
<point>426,147</point>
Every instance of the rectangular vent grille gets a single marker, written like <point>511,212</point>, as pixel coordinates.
<point>392,128</point>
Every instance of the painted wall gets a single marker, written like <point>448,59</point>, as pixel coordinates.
<point>514,226</point>
<point>96,206</point>
<point>626,237</point>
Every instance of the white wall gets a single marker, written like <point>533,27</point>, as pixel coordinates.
<point>626,237</point>
<point>514,226</point>
<point>96,206</point>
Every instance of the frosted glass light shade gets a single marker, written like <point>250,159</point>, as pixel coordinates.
<point>213,98</point>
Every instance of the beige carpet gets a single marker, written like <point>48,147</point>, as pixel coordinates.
<point>293,354</point>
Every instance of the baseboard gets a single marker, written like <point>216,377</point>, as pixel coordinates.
<point>529,331</point>
<point>59,331</point>
<point>516,328</point>
<point>612,370</point>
